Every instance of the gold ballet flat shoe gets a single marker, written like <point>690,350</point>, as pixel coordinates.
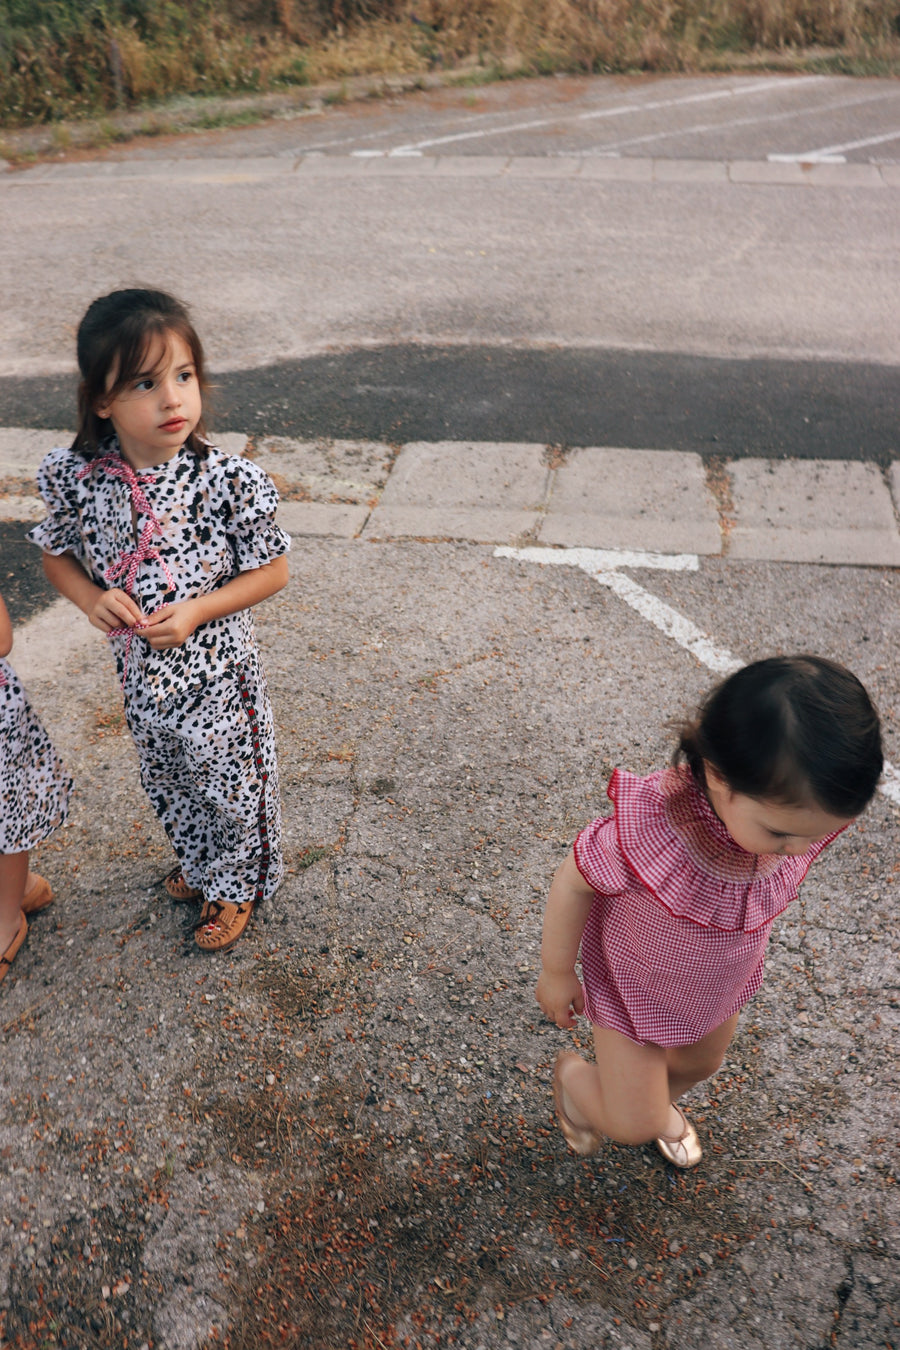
<point>685,1151</point>
<point>581,1139</point>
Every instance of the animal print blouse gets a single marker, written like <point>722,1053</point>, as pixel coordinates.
<point>173,532</point>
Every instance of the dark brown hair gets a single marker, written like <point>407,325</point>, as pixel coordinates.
<point>114,335</point>
<point>790,729</point>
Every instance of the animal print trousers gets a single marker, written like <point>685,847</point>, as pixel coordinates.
<point>208,766</point>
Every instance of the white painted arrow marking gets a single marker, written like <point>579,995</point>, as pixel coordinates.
<point>602,566</point>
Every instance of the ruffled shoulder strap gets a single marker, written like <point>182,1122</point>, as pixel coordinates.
<point>599,858</point>
<point>677,847</point>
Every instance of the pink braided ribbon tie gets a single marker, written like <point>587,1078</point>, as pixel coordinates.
<point>125,568</point>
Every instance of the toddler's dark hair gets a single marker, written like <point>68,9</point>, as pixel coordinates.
<point>790,729</point>
<point>114,336</point>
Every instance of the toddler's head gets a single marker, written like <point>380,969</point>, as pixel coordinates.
<point>793,731</point>
<point>114,339</point>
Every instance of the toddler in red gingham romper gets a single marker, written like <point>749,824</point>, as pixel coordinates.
<point>671,899</point>
<point>663,867</point>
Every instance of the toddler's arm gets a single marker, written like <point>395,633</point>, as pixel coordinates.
<point>105,609</point>
<point>5,629</point>
<point>173,624</point>
<point>568,906</point>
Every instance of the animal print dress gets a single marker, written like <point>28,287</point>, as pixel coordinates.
<point>34,786</point>
<point>199,713</point>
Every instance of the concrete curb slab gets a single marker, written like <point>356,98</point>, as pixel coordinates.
<point>447,522</point>
<point>689,171</point>
<point>649,499</point>
<point>610,169</point>
<point>813,511</point>
<point>472,166</point>
<point>462,490</point>
<point>540,166</point>
<point>23,448</point>
<point>322,519</point>
<point>19,507</point>
<point>803,511</point>
<point>468,473</point>
<point>755,171</point>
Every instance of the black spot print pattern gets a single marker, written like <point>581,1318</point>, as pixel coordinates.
<point>217,518</point>
<point>210,771</point>
<point>34,786</point>
<point>199,713</point>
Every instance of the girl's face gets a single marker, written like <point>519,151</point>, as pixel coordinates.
<point>769,827</point>
<point>156,411</point>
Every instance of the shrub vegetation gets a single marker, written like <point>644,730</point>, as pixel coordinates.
<point>65,58</point>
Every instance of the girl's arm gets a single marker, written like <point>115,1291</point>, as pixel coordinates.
<point>5,629</point>
<point>173,624</point>
<point>105,609</point>
<point>568,906</point>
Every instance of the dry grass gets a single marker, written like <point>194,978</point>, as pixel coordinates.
<point>59,58</point>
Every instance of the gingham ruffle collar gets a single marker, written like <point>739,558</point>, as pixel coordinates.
<point>678,848</point>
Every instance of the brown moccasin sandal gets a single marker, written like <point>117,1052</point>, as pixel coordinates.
<point>221,925</point>
<point>179,889</point>
<point>8,956</point>
<point>38,894</point>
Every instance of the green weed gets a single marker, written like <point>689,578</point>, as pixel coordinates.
<point>63,59</point>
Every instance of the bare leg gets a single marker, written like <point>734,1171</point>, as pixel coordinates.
<point>624,1095</point>
<point>627,1094</point>
<point>692,1064</point>
<point>13,879</point>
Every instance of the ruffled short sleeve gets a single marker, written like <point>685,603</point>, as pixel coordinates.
<point>599,858</point>
<point>253,499</point>
<point>58,484</point>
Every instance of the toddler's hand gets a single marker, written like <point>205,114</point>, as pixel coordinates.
<point>172,625</point>
<point>560,997</point>
<point>115,609</point>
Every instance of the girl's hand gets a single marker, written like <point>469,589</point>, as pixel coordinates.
<point>173,624</point>
<point>114,609</point>
<point>560,997</point>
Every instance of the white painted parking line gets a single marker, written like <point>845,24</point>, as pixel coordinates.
<point>593,560</point>
<point>890,783</point>
<point>670,622</point>
<point>755,120</point>
<point>602,566</point>
<point>834,154</point>
<point>617,110</point>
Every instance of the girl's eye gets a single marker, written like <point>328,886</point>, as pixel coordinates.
<point>185,376</point>
<point>143,386</point>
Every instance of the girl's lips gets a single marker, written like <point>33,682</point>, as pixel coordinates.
<point>175,424</point>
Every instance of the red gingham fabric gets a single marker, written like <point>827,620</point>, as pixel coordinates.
<point>676,939</point>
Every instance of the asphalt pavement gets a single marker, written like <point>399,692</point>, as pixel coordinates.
<point>557,445</point>
<point>473,636</point>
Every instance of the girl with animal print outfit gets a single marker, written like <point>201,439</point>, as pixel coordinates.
<point>165,543</point>
<point>34,792</point>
